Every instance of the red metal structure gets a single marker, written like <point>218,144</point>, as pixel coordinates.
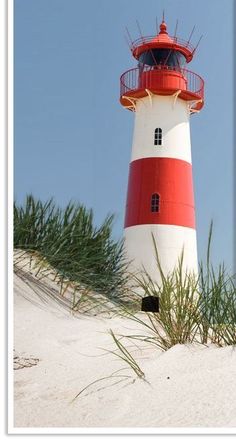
<point>166,73</point>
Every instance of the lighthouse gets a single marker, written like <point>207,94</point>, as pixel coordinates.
<point>163,94</point>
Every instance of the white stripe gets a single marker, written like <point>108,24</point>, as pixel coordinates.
<point>170,240</point>
<point>172,116</point>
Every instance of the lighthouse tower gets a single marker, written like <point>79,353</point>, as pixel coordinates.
<point>160,198</point>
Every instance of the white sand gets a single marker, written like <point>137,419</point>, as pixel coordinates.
<point>188,386</point>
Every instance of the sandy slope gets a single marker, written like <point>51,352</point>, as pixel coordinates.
<point>187,385</point>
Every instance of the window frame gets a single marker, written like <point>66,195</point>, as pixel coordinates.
<point>158,137</point>
<point>155,203</point>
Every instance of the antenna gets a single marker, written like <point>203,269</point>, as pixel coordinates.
<point>127,41</point>
<point>138,26</point>
<point>194,50</point>
<point>176,27</point>
<point>156,25</point>
<point>129,38</point>
<point>190,36</point>
<point>163,15</point>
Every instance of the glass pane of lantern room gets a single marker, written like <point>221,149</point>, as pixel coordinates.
<point>160,57</point>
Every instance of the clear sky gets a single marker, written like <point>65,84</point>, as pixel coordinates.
<point>73,138</point>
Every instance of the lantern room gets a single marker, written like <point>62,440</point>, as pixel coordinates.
<point>161,70</point>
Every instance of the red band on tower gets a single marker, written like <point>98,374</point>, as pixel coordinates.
<point>171,179</point>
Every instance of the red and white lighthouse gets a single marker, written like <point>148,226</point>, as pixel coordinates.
<point>160,198</point>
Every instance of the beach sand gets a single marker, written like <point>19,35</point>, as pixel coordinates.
<point>57,355</point>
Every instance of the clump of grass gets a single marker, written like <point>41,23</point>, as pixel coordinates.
<point>126,356</point>
<point>123,354</point>
<point>68,240</point>
<point>178,316</point>
<point>197,308</point>
<point>217,303</point>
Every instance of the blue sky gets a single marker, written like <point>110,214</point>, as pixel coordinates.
<point>73,138</point>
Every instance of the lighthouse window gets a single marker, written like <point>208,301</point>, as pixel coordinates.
<point>155,203</point>
<point>169,58</point>
<point>158,136</point>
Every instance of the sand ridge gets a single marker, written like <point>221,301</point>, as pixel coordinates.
<point>187,386</point>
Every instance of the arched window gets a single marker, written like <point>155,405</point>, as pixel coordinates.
<point>155,203</point>
<point>158,136</point>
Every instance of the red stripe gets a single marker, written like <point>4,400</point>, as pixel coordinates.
<point>172,180</point>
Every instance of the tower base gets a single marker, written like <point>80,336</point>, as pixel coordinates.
<point>170,241</point>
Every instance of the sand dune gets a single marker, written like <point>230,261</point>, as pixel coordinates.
<point>57,355</point>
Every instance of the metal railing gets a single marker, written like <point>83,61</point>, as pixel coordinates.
<point>175,41</point>
<point>153,77</point>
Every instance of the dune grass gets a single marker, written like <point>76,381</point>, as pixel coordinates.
<point>68,240</point>
<point>217,302</point>
<point>192,308</point>
<point>126,356</point>
<point>177,321</point>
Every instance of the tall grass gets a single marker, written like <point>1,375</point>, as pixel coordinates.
<point>70,242</point>
<point>197,308</point>
<point>126,356</point>
<point>193,308</point>
<point>178,318</point>
<point>217,302</point>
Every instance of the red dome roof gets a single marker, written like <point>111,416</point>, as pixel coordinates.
<point>163,36</point>
<point>162,40</point>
